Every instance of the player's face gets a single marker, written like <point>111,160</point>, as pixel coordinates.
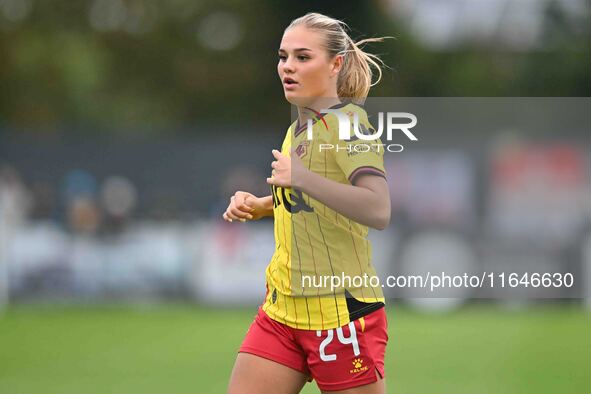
<point>305,67</point>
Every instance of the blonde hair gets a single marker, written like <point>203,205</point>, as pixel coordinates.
<point>355,77</point>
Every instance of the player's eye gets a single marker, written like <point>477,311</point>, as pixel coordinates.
<point>282,58</point>
<point>303,58</point>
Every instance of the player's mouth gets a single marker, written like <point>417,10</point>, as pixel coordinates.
<point>289,83</point>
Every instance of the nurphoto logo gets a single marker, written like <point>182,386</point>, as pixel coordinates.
<point>392,123</point>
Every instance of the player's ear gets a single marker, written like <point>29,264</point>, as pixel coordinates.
<point>336,65</point>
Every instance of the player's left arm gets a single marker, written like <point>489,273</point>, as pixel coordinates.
<point>366,201</point>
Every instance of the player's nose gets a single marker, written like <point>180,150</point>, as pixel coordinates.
<point>288,66</point>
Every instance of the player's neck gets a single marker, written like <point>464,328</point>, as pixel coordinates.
<point>315,107</point>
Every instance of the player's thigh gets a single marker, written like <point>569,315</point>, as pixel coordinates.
<point>378,387</point>
<point>254,375</point>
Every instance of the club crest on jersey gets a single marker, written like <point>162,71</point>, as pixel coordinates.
<point>302,149</point>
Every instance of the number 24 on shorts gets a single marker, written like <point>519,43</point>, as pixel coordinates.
<point>352,340</point>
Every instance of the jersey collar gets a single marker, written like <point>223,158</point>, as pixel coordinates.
<point>318,116</point>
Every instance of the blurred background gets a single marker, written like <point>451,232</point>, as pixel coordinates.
<point>126,125</point>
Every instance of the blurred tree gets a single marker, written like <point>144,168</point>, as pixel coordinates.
<point>165,67</point>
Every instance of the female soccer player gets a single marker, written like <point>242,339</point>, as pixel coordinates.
<point>325,195</point>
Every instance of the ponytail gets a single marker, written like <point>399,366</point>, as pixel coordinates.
<point>355,78</point>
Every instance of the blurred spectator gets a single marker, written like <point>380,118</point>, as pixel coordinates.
<point>15,199</point>
<point>44,202</point>
<point>82,211</point>
<point>79,183</point>
<point>118,199</point>
<point>14,207</point>
<point>84,216</point>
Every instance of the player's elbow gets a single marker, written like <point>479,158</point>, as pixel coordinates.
<point>378,212</point>
<point>378,201</point>
<point>381,219</point>
<point>382,223</point>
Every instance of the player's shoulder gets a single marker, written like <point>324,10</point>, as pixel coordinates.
<point>291,131</point>
<point>352,112</point>
<point>288,136</point>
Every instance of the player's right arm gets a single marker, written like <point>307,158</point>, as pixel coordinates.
<point>246,206</point>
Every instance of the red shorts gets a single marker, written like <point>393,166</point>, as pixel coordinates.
<point>337,359</point>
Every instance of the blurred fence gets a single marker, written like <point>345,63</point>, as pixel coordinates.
<point>117,219</point>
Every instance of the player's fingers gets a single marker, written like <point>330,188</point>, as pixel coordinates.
<point>242,207</point>
<point>229,217</point>
<point>231,211</point>
<point>247,204</point>
<point>226,217</point>
<point>238,213</point>
<point>233,216</point>
<point>276,154</point>
<point>238,199</point>
<point>245,208</point>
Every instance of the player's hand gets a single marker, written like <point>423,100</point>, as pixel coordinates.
<point>285,169</point>
<point>245,206</point>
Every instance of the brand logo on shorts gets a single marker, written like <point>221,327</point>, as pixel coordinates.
<point>358,366</point>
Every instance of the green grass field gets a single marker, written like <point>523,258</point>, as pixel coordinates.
<point>186,349</point>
